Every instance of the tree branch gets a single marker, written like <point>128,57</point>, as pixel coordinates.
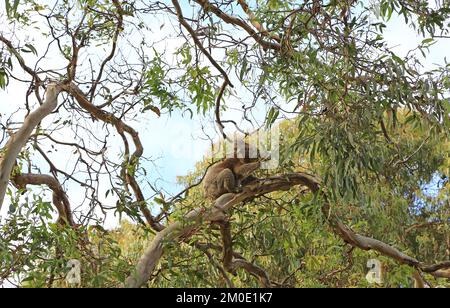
<point>196,217</point>
<point>121,127</point>
<point>216,213</point>
<point>119,29</point>
<point>198,43</point>
<point>217,112</point>
<point>208,7</point>
<point>60,199</point>
<point>255,23</point>
<point>18,140</point>
<point>20,59</point>
<point>231,264</point>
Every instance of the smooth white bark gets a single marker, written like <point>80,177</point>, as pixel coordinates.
<point>18,140</point>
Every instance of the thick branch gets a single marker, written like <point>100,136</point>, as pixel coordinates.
<point>444,273</point>
<point>60,199</point>
<point>18,140</point>
<point>419,281</point>
<point>227,240</point>
<point>257,188</point>
<point>367,243</point>
<point>231,264</point>
<point>443,266</point>
<point>195,218</point>
<point>255,22</point>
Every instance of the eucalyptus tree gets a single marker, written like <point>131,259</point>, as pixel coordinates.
<point>367,127</point>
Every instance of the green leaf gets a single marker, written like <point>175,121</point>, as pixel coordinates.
<point>4,79</point>
<point>272,116</point>
<point>243,70</point>
<point>11,10</point>
<point>398,59</point>
<point>31,49</point>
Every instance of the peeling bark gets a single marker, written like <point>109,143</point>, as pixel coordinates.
<point>254,21</point>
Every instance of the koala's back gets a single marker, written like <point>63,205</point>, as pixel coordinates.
<point>211,183</point>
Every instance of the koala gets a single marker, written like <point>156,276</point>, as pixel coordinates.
<point>228,176</point>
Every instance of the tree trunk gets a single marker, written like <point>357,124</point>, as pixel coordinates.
<point>18,140</point>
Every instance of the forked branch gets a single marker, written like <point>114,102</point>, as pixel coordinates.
<point>216,213</point>
<point>18,140</point>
